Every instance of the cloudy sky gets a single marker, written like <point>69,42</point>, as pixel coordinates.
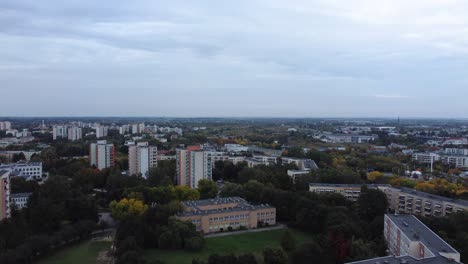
<point>311,58</point>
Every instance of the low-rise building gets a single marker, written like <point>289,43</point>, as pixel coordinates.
<point>401,200</point>
<point>27,170</point>
<point>19,199</point>
<point>410,241</point>
<point>221,214</point>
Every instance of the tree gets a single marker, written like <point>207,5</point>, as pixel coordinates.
<point>371,203</point>
<point>127,207</point>
<point>195,243</point>
<point>248,258</point>
<point>275,256</point>
<point>287,241</point>
<point>184,193</point>
<point>207,188</point>
<point>307,252</point>
<point>231,189</point>
<point>375,176</point>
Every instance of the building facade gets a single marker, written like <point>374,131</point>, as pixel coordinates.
<point>101,154</point>
<point>221,214</point>
<point>192,165</point>
<point>401,200</point>
<point>20,200</point>
<point>4,193</point>
<point>59,132</point>
<point>141,158</point>
<point>102,131</point>
<point>410,241</point>
<point>27,170</point>
<point>74,133</point>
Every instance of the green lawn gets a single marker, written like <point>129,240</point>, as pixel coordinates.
<point>85,252</point>
<point>235,244</point>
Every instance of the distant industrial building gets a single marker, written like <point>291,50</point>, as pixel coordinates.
<point>410,241</point>
<point>141,158</point>
<point>215,215</point>
<point>101,154</point>
<point>401,200</point>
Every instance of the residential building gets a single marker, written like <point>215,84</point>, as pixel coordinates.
<point>138,128</point>
<point>426,157</point>
<point>125,129</point>
<point>351,138</point>
<point>74,133</point>
<point>20,200</point>
<point>101,154</point>
<point>401,200</point>
<point>407,236</point>
<point>219,214</point>
<point>102,131</point>
<point>456,151</point>
<point>455,141</point>
<point>235,148</point>
<point>4,193</point>
<point>5,125</point>
<point>142,157</point>
<point>297,173</point>
<point>261,160</point>
<point>302,164</point>
<point>59,132</point>
<point>27,170</point>
<point>193,164</point>
<point>410,241</point>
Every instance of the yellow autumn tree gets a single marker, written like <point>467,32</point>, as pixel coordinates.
<point>374,176</point>
<point>127,207</point>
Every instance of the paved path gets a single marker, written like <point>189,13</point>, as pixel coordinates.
<point>277,227</point>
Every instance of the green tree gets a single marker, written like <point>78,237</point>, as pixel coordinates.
<point>288,242</point>
<point>307,252</point>
<point>371,203</point>
<point>207,188</point>
<point>275,256</point>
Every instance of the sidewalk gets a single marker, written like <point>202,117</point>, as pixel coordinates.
<point>277,227</point>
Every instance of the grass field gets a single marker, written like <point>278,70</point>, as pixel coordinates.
<point>235,244</point>
<point>85,252</point>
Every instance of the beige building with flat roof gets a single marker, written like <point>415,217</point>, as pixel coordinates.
<point>218,214</point>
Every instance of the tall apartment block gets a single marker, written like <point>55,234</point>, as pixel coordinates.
<point>102,131</point>
<point>5,125</point>
<point>410,241</point>
<point>401,200</point>
<point>142,157</point>
<point>4,193</point>
<point>138,128</point>
<point>59,132</point>
<point>75,133</point>
<point>101,154</point>
<point>193,164</point>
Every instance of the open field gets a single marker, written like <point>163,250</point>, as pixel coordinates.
<point>234,244</point>
<point>84,252</point>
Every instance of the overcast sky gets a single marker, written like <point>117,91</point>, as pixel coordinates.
<point>311,58</point>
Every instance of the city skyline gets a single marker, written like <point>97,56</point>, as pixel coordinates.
<point>234,59</point>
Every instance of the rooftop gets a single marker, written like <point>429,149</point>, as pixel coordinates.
<point>19,195</point>
<point>228,204</point>
<point>405,259</point>
<point>415,230</point>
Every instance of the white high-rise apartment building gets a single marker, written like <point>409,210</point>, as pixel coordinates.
<point>141,158</point>
<point>125,129</point>
<point>138,128</point>
<point>59,132</point>
<point>102,131</point>
<point>193,164</point>
<point>75,133</point>
<point>101,154</point>
<point>5,125</point>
